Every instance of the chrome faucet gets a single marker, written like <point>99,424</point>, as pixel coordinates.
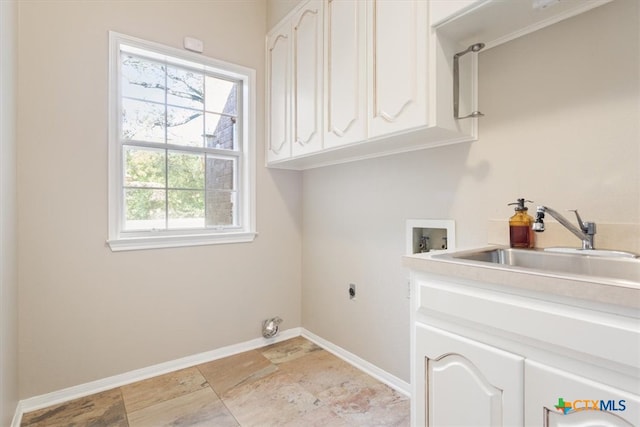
<point>585,233</point>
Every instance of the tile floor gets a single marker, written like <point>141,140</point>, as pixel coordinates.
<point>292,383</point>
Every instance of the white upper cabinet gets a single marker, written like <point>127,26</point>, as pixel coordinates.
<point>345,72</point>
<point>307,79</point>
<point>363,78</point>
<point>354,79</point>
<point>398,65</point>
<point>294,84</point>
<point>278,93</point>
<point>358,84</point>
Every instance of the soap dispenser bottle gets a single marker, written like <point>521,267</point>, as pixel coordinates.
<point>520,226</point>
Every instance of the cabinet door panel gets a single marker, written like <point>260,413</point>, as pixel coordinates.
<point>399,65</point>
<point>583,419</point>
<point>278,55</point>
<point>465,383</point>
<point>395,57</point>
<point>307,79</point>
<point>345,66</point>
<point>549,388</point>
<point>450,377</point>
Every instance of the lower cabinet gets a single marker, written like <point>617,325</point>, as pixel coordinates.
<point>467,383</point>
<point>556,398</point>
<point>486,357</point>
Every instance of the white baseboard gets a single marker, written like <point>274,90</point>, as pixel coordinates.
<point>75,392</point>
<point>17,417</point>
<point>371,369</point>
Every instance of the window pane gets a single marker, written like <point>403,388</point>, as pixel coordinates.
<point>186,171</point>
<point>184,127</point>
<point>144,209</point>
<point>144,167</point>
<point>220,173</point>
<point>185,88</point>
<point>142,79</point>
<point>221,208</point>
<point>178,146</point>
<point>142,121</point>
<point>221,96</point>
<point>219,131</point>
<point>186,209</point>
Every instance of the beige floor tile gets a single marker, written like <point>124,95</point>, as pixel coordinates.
<point>288,350</point>
<point>374,405</point>
<point>321,417</point>
<point>292,383</point>
<point>244,368</point>
<point>321,370</point>
<point>104,409</point>
<point>165,387</point>
<point>200,408</point>
<point>271,401</point>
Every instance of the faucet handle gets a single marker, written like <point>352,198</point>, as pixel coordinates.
<point>586,226</point>
<point>580,223</point>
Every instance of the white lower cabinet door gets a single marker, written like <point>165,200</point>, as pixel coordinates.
<point>466,383</point>
<point>556,398</point>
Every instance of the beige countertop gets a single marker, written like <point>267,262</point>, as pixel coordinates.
<point>579,288</point>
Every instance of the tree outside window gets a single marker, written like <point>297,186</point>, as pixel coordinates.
<point>181,145</point>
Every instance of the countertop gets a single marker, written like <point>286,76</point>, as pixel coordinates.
<point>578,288</point>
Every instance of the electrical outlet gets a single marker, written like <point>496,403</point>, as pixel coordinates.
<point>352,291</point>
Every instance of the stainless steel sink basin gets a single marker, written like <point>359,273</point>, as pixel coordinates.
<point>616,268</point>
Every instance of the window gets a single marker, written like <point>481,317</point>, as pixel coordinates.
<point>181,148</point>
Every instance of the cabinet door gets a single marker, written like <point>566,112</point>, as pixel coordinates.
<point>278,94</point>
<point>585,402</point>
<point>345,72</point>
<point>461,382</point>
<point>307,79</point>
<point>398,43</point>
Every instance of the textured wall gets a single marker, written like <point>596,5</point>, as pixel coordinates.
<point>278,9</point>
<point>8,237</point>
<point>87,313</point>
<point>561,128</point>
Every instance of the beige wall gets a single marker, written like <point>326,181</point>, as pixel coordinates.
<point>8,238</point>
<point>278,9</point>
<point>561,128</point>
<point>87,313</point>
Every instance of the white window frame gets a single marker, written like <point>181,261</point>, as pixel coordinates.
<point>120,240</point>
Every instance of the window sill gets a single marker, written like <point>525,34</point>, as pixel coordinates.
<point>160,242</point>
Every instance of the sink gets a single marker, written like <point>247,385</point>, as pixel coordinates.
<point>593,252</point>
<point>561,263</point>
